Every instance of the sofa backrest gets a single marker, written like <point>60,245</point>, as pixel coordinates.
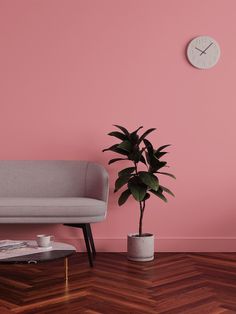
<point>53,178</point>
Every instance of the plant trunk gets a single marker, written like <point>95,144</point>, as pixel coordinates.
<point>142,207</point>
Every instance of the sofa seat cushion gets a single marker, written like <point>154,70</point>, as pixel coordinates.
<point>51,207</point>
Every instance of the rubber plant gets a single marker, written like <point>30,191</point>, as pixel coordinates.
<point>139,183</point>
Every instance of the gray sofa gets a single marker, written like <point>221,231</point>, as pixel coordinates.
<point>74,193</point>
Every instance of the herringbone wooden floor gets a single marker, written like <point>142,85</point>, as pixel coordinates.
<point>174,283</point>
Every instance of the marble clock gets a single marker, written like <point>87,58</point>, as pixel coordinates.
<point>203,52</point>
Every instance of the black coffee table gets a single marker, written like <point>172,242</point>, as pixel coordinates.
<point>32,254</point>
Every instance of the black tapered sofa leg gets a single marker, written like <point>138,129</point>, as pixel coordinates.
<point>91,239</point>
<point>88,244</point>
<point>88,238</point>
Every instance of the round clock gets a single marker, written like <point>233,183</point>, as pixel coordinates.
<point>203,52</point>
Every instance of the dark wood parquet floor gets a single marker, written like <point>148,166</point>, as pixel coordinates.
<point>197,283</point>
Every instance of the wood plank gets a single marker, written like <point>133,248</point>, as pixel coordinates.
<point>186,283</point>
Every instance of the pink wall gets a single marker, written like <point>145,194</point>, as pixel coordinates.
<point>70,69</point>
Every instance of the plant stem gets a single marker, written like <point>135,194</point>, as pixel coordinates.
<point>142,207</point>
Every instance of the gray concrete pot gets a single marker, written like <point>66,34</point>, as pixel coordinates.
<point>140,249</point>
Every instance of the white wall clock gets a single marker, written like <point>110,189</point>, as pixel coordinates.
<point>203,52</point>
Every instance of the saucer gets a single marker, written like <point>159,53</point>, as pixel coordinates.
<point>44,247</point>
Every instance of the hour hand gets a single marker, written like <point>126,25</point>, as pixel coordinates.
<point>200,50</point>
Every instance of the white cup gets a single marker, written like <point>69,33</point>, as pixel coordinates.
<point>44,240</point>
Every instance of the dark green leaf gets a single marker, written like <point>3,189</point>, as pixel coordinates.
<point>119,135</point>
<point>123,197</point>
<point>152,160</point>
<point>156,165</point>
<point>149,179</point>
<point>120,151</point>
<point>167,174</point>
<point>137,129</point>
<point>159,154</point>
<point>138,191</point>
<point>134,138</point>
<point>149,147</point>
<point>116,159</point>
<point>147,157</point>
<point>124,130</point>
<point>115,148</point>
<point>167,190</point>
<point>135,155</point>
<point>163,147</point>
<point>145,134</point>
<point>125,145</point>
<point>110,148</point>
<point>160,195</point>
<point>161,164</point>
<point>121,181</point>
<point>147,196</point>
<point>142,159</point>
<point>126,171</point>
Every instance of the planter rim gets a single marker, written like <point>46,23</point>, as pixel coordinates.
<point>136,235</point>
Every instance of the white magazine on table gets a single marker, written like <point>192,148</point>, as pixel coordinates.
<point>9,243</point>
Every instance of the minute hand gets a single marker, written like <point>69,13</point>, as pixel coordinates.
<point>206,48</point>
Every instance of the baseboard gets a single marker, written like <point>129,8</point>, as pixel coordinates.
<point>163,244</point>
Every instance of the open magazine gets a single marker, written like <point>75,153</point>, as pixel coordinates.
<point>11,244</point>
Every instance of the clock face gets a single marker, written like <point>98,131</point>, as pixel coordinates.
<point>203,52</point>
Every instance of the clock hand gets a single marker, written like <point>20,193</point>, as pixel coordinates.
<point>206,48</point>
<point>200,50</point>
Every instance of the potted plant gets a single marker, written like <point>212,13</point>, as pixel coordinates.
<point>140,181</point>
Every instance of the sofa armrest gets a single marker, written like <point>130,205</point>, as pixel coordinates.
<point>96,182</point>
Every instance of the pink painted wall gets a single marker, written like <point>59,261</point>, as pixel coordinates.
<point>70,69</point>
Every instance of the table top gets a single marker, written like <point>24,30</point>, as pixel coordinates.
<point>34,254</point>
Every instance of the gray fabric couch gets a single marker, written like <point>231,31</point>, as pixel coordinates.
<point>74,193</point>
